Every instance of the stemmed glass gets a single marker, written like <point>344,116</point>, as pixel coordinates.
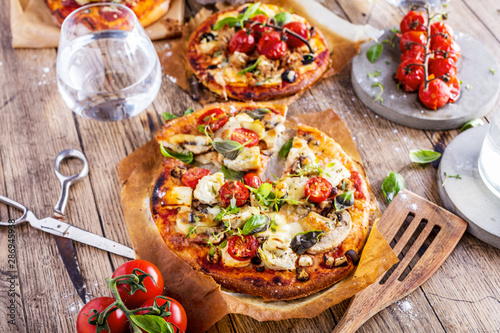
<point>107,67</point>
<point>489,158</point>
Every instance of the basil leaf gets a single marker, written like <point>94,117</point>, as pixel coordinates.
<point>285,149</point>
<point>258,113</point>
<point>168,116</point>
<point>283,18</point>
<point>250,68</point>
<point>305,240</point>
<point>181,157</point>
<point>344,201</point>
<point>230,21</point>
<point>255,224</point>
<point>188,111</point>
<point>231,174</point>
<point>374,52</point>
<point>228,148</point>
<point>392,184</point>
<point>424,156</point>
<point>472,123</point>
<point>251,10</point>
<point>264,190</point>
<point>152,324</point>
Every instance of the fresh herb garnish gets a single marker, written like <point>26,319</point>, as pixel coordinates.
<point>446,176</point>
<point>232,209</point>
<point>283,18</point>
<point>255,224</point>
<point>472,123</point>
<point>186,158</point>
<point>379,96</point>
<point>374,74</point>
<point>188,111</point>
<point>192,230</point>
<point>344,200</point>
<point>273,225</point>
<point>169,116</point>
<point>232,21</point>
<point>424,156</point>
<point>301,242</point>
<point>228,148</point>
<point>374,52</point>
<point>250,68</point>
<point>257,114</point>
<point>152,323</point>
<point>391,185</point>
<point>492,71</point>
<point>231,174</point>
<point>285,149</point>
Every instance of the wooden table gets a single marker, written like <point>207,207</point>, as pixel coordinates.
<point>463,296</point>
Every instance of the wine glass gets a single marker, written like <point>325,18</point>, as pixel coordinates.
<point>107,67</point>
<point>489,157</point>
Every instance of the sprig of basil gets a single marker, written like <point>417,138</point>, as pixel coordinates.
<point>188,111</point>
<point>232,21</point>
<point>305,240</point>
<point>285,149</point>
<point>186,158</point>
<point>255,224</point>
<point>374,52</point>
<point>228,148</point>
<point>472,123</point>
<point>169,116</point>
<point>392,184</point>
<point>424,156</point>
<point>283,18</point>
<point>152,324</point>
<point>344,200</point>
<point>250,68</point>
<point>231,174</point>
<point>258,114</point>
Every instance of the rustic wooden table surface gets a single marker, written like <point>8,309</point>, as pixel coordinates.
<point>463,295</point>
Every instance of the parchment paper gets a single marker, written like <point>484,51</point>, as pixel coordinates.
<point>205,302</point>
<point>343,38</point>
<point>32,25</point>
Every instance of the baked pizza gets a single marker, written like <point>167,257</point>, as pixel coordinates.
<point>257,52</point>
<point>147,11</point>
<point>281,239</point>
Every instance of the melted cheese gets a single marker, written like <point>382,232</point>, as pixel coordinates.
<point>249,159</point>
<point>178,196</point>
<point>307,68</point>
<point>229,261</point>
<point>185,143</point>
<point>207,47</point>
<point>276,253</point>
<point>207,190</point>
<point>300,151</point>
<point>238,220</point>
<point>335,173</point>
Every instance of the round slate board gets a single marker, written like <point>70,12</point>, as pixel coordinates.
<point>405,108</point>
<point>469,197</point>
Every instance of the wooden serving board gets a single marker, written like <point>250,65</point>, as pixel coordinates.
<point>422,235</point>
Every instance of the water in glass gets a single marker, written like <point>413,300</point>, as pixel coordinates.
<point>489,158</point>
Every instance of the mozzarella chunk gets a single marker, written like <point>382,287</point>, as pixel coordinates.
<point>207,190</point>
<point>178,196</point>
<point>305,261</point>
<point>185,143</point>
<point>238,220</point>
<point>276,253</point>
<point>299,156</point>
<point>290,229</point>
<point>249,159</point>
<point>255,126</point>
<point>207,47</point>
<point>229,261</point>
<point>271,137</point>
<point>296,187</point>
<point>234,122</point>
<point>335,172</point>
<point>182,223</point>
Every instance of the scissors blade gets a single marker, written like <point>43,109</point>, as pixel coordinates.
<point>66,230</point>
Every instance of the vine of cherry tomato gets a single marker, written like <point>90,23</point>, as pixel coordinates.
<point>178,314</point>
<point>413,21</point>
<point>117,321</point>
<point>242,41</point>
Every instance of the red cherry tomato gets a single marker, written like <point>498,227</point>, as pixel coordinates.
<point>192,176</point>
<point>454,86</point>
<point>259,28</point>
<point>234,189</point>
<point>413,21</point>
<point>436,95</point>
<point>443,28</point>
<point>409,39</point>
<point>272,46</point>
<point>213,119</point>
<point>243,135</point>
<point>318,189</point>
<point>445,48</point>
<point>117,320</point>
<point>410,76</point>
<point>178,316</point>
<point>300,29</point>
<point>242,41</point>
<point>135,300</point>
<point>252,179</point>
<point>242,247</point>
<point>441,66</point>
<point>415,52</point>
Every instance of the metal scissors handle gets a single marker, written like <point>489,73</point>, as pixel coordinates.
<point>26,213</point>
<point>67,181</point>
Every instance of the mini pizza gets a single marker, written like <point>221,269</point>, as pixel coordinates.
<point>257,52</point>
<point>281,239</point>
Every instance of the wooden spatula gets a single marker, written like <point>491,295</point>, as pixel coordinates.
<point>422,235</point>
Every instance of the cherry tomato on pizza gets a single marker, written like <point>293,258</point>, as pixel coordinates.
<point>436,95</point>
<point>242,41</point>
<point>415,52</point>
<point>177,317</point>
<point>413,21</point>
<point>441,66</point>
<point>153,288</point>
<point>213,119</point>
<point>442,28</point>
<point>258,26</point>
<point>242,247</point>
<point>410,76</point>
<point>233,189</point>
<point>245,136</point>
<point>192,176</point>
<point>252,179</point>
<point>454,86</point>
<point>411,38</point>
<point>300,29</point>
<point>318,189</point>
<point>117,321</point>
<point>272,46</point>
<point>445,48</point>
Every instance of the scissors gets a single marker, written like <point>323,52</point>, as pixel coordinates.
<point>63,232</point>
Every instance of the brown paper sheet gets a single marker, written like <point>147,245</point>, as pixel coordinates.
<point>201,296</point>
<point>343,38</point>
<point>32,25</point>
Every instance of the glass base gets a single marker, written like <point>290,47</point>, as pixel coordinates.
<point>489,184</point>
